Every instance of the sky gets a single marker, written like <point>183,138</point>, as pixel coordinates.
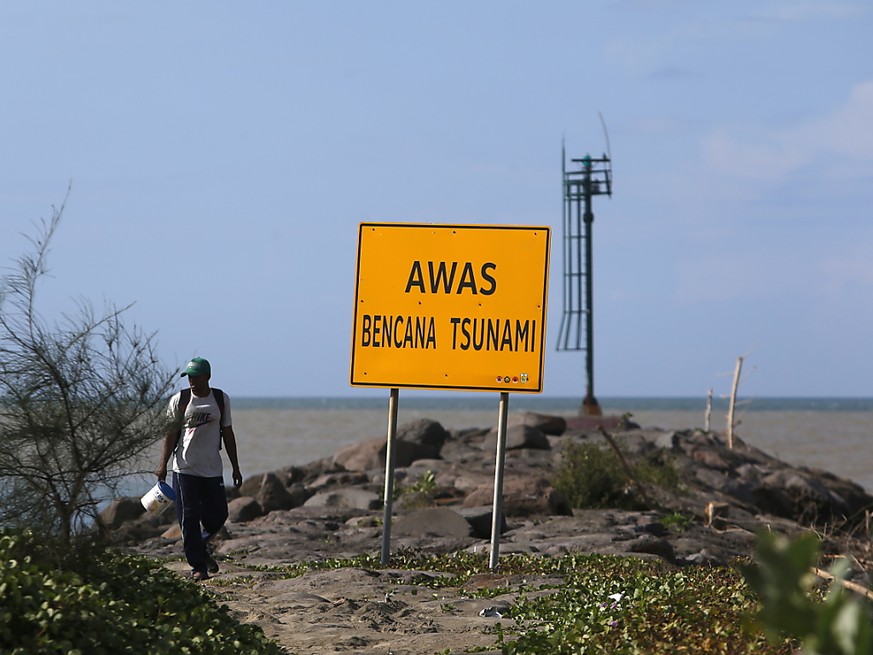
<point>220,156</point>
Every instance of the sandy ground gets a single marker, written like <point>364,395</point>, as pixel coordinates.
<point>354,610</point>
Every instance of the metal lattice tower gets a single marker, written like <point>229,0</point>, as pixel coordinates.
<point>593,178</point>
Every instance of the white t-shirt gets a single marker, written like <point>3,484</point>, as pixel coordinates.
<point>198,450</point>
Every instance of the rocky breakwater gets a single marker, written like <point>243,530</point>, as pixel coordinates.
<point>720,497</point>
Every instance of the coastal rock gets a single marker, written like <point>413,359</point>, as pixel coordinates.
<point>432,522</point>
<point>424,432</point>
<point>121,511</point>
<point>273,495</point>
<point>252,484</point>
<point>584,423</point>
<point>369,455</point>
<point>545,423</point>
<point>420,439</point>
<point>718,500</point>
<point>334,479</point>
<point>705,505</point>
<point>243,510</point>
<point>518,436</point>
<point>481,520</point>
<point>523,497</point>
<point>797,493</point>
<point>653,546</point>
<point>348,498</point>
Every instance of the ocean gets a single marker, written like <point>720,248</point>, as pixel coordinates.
<point>833,434</point>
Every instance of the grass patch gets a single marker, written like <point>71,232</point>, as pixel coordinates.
<point>602,604</point>
<point>419,493</point>
<point>625,606</point>
<point>591,477</point>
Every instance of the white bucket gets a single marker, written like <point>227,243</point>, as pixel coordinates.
<point>158,498</point>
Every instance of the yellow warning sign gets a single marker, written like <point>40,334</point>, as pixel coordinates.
<point>450,307</point>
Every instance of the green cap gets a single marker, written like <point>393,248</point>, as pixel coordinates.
<point>197,366</point>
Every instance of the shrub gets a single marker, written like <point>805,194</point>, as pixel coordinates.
<point>81,399</point>
<point>782,577</point>
<point>418,494</point>
<point>591,476</point>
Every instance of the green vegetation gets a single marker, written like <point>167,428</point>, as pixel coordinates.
<point>97,602</point>
<point>419,493</point>
<point>591,476</point>
<point>602,604</point>
<point>678,522</point>
<point>627,606</point>
<point>840,624</point>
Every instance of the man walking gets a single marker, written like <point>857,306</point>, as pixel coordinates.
<point>200,420</point>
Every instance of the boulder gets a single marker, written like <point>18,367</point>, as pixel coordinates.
<point>523,497</point>
<point>792,494</point>
<point>480,520</point>
<point>586,423</point>
<point>243,509</point>
<point>173,533</point>
<point>273,495</point>
<point>121,511</point>
<point>651,545</point>
<point>432,522</point>
<point>334,479</point>
<point>424,432</point>
<point>518,436</point>
<point>369,454</point>
<point>251,485</point>
<point>346,498</point>
<point>553,425</point>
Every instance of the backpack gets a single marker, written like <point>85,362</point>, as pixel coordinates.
<point>185,398</point>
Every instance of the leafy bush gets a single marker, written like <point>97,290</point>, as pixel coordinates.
<point>108,603</point>
<point>782,578</point>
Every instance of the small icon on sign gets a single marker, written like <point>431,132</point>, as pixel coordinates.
<point>524,377</point>
<point>506,379</point>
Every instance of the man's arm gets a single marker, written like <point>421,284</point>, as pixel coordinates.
<point>230,446</point>
<point>169,446</point>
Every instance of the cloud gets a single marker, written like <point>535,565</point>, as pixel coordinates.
<point>844,134</point>
<point>847,132</point>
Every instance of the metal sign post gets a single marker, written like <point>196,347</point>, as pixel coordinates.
<point>497,507</point>
<point>389,475</point>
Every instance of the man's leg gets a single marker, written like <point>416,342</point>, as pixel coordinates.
<point>213,504</point>
<point>188,490</point>
<point>213,516</point>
